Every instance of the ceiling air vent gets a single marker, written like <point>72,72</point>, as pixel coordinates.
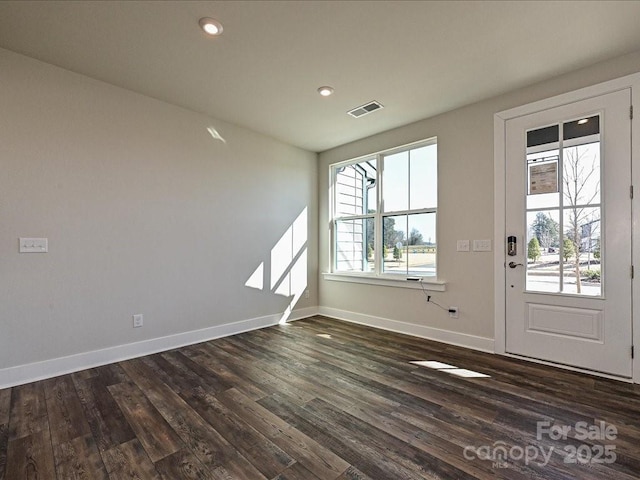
<point>364,109</point>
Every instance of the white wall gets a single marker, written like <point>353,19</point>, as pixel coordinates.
<point>465,156</point>
<point>145,213</point>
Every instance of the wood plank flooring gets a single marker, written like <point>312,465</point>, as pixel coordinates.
<point>319,399</point>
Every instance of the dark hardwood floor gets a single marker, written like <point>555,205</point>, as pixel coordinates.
<point>320,399</point>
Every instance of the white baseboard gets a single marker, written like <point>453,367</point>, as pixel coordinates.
<point>21,374</point>
<point>301,313</point>
<point>445,336</point>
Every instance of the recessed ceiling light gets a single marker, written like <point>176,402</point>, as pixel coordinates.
<point>583,121</point>
<point>325,91</point>
<point>211,26</point>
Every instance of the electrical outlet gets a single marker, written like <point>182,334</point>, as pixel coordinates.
<point>306,293</point>
<point>454,313</point>
<point>138,320</point>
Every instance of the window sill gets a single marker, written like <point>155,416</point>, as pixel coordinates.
<point>399,281</point>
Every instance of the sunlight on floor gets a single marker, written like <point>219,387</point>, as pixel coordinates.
<point>452,369</point>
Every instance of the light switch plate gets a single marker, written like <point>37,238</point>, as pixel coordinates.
<point>34,245</point>
<point>463,245</point>
<point>482,245</point>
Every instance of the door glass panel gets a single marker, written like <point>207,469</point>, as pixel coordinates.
<point>563,208</point>
<point>543,251</point>
<point>581,177</point>
<point>581,251</point>
<point>582,127</point>
<point>543,136</point>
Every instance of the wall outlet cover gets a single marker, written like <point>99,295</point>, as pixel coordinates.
<point>138,320</point>
<point>462,246</point>
<point>34,245</point>
<point>482,245</point>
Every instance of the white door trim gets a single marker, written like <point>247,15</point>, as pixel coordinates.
<point>499,123</point>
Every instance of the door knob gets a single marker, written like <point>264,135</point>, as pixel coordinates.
<point>514,265</point>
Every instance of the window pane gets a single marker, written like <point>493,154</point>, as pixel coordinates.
<point>543,251</point>
<point>423,182</point>
<point>581,128</point>
<point>354,245</point>
<point>355,189</point>
<point>395,182</point>
<point>542,136</point>
<point>581,168</point>
<point>581,251</point>
<point>412,253</point>
<point>394,232</point>
<point>420,246</point>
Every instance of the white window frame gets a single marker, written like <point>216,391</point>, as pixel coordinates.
<point>378,276</point>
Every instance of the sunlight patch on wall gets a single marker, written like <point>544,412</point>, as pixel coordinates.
<point>288,248</point>
<point>299,231</point>
<point>256,280</point>
<point>294,284</point>
<point>295,280</point>
<point>215,135</point>
<point>288,266</point>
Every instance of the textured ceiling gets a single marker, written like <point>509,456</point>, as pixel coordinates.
<point>416,58</point>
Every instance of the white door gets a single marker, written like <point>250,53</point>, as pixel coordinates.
<point>568,205</point>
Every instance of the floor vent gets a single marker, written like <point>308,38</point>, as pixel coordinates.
<point>365,109</point>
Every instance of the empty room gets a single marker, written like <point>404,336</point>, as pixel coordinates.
<point>319,240</point>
